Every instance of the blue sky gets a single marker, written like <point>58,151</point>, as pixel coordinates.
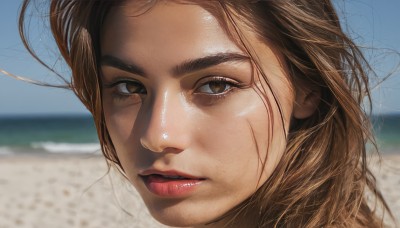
<point>371,23</point>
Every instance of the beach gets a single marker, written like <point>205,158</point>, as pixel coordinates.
<point>47,191</point>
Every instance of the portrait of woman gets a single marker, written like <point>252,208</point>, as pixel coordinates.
<point>226,113</point>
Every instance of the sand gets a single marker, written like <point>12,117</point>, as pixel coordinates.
<point>74,191</point>
<point>387,173</point>
<point>66,191</point>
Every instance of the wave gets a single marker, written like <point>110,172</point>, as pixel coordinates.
<point>5,151</point>
<point>53,147</point>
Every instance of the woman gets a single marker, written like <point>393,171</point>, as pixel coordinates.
<point>225,113</point>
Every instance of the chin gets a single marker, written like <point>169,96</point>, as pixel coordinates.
<point>177,220</point>
<point>181,218</point>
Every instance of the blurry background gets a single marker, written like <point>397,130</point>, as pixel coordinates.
<point>25,109</point>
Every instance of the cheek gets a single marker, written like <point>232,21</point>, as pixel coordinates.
<point>120,123</point>
<point>237,137</point>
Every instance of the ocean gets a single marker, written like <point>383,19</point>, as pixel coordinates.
<point>49,134</point>
<point>77,134</point>
<point>387,132</point>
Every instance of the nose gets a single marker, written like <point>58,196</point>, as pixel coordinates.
<point>165,128</point>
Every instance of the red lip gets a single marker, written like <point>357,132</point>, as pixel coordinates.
<point>170,183</point>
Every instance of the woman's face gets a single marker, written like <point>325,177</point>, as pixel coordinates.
<point>190,130</point>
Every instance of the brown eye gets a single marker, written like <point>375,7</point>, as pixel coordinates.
<point>215,87</point>
<point>130,87</point>
<point>218,87</point>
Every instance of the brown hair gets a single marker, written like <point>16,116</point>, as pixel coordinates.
<point>322,177</point>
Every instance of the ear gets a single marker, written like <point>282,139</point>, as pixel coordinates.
<point>306,102</point>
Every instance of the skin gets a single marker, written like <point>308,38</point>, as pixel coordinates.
<point>191,121</point>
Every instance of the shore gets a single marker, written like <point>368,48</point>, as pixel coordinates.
<point>76,191</point>
<point>66,191</point>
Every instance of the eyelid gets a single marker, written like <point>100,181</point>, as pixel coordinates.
<point>207,79</point>
<point>120,80</point>
<point>201,82</point>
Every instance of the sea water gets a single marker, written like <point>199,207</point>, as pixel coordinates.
<point>387,131</point>
<point>48,134</point>
<point>77,134</point>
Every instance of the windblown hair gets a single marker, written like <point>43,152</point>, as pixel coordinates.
<point>323,176</point>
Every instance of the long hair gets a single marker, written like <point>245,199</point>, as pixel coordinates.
<point>322,177</point>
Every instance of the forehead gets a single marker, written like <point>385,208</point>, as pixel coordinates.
<point>164,30</point>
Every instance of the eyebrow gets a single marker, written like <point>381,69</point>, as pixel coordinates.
<point>109,60</point>
<point>187,66</point>
<point>207,61</point>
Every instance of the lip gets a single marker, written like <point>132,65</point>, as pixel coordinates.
<point>170,183</point>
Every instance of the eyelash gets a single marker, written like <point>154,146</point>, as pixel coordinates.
<point>118,95</point>
<point>231,84</point>
<point>218,79</point>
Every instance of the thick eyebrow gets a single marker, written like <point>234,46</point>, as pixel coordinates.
<point>207,61</point>
<point>188,66</point>
<point>113,61</point>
